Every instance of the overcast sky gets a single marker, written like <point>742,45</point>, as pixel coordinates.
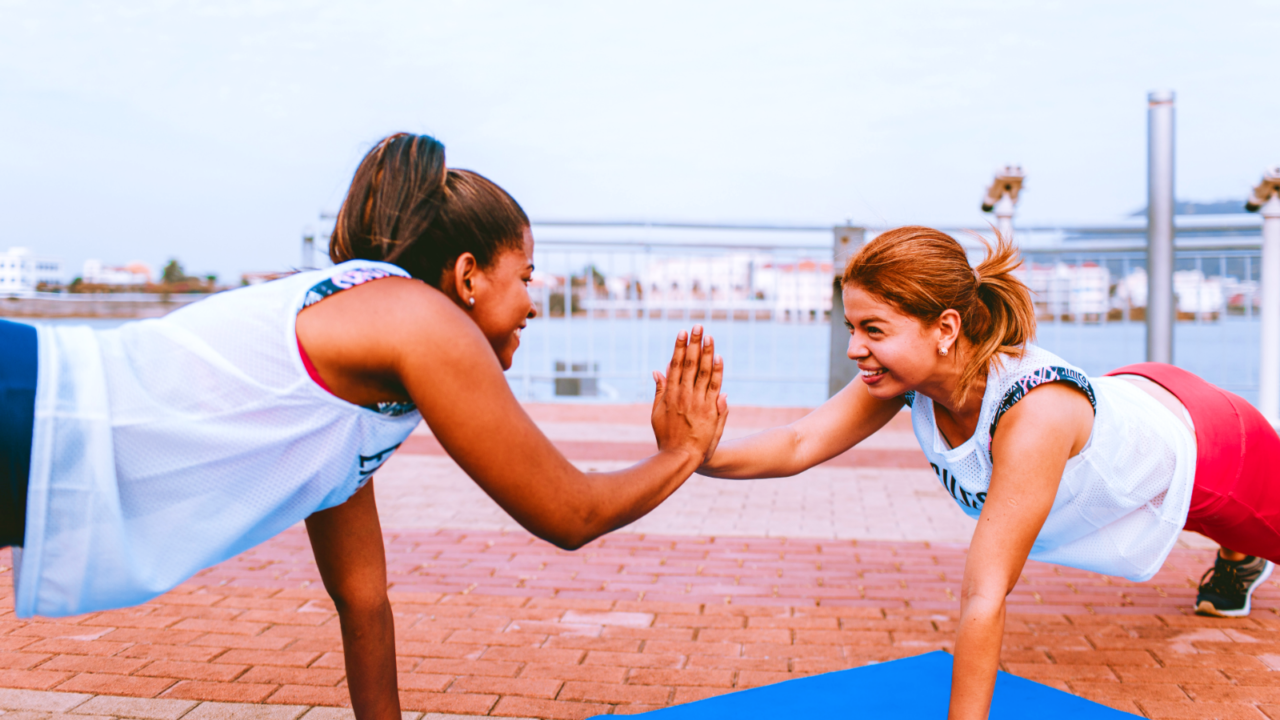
<point>216,131</point>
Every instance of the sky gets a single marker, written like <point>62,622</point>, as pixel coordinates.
<point>217,132</point>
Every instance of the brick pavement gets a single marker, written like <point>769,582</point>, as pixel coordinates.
<point>494,622</point>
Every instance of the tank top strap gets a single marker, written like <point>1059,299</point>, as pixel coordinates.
<point>1015,377</point>
<point>344,277</point>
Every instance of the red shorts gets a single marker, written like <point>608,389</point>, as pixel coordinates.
<point>1236,500</point>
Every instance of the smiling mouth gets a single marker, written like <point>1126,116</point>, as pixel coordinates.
<point>518,330</point>
<point>873,373</point>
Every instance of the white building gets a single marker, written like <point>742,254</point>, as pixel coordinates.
<point>135,273</point>
<point>21,272</point>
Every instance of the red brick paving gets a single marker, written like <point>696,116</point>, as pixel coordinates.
<point>503,624</point>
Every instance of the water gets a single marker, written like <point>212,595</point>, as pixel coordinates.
<point>785,364</point>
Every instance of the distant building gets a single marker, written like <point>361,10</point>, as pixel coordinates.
<point>257,278</point>
<point>21,272</point>
<point>134,273</point>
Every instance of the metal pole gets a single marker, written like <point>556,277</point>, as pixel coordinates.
<point>840,369</point>
<point>1160,307</point>
<point>1269,368</point>
<point>1004,216</point>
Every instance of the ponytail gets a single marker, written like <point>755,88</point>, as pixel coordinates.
<point>923,272</point>
<point>405,207</point>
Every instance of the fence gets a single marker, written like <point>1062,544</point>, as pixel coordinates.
<point>768,306</point>
<point>608,315</point>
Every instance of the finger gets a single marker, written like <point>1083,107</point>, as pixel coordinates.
<point>676,368</point>
<point>659,385</point>
<point>706,361</point>
<point>689,370</point>
<point>722,408</point>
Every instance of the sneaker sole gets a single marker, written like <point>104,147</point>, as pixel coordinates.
<point>1207,608</point>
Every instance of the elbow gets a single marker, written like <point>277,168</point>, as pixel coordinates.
<point>573,534</point>
<point>979,600</point>
<point>569,542</point>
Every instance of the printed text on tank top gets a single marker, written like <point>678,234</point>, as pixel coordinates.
<point>332,286</point>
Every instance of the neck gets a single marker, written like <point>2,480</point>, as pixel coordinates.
<point>942,388</point>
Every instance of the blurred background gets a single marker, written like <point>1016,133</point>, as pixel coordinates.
<point>683,162</point>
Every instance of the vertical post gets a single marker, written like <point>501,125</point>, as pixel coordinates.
<point>1002,197</point>
<point>1160,307</point>
<point>840,369</point>
<point>308,250</point>
<point>1004,216</point>
<point>1269,368</point>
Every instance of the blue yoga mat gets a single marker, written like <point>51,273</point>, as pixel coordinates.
<point>915,687</point>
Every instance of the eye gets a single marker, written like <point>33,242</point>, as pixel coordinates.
<point>873,330</point>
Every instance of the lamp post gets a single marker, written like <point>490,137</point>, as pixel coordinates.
<point>1266,200</point>
<point>1160,226</point>
<point>1002,197</point>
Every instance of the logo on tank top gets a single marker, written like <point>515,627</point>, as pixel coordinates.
<point>344,281</point>
<point>959,494</point>
<point>369,464</point>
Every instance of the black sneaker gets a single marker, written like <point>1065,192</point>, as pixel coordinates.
<point>1226,589</point>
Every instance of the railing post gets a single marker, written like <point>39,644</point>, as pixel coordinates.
<point>1266,199</point>
<point>1160,307</point>
<point>840,369</point>
<point>308,250</point>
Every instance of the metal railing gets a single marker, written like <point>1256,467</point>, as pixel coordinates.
<point>1091,309</point>
<point>627,301</point>
<point>608,315</point>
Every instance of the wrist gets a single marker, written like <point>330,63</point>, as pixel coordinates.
<point>688,459</point>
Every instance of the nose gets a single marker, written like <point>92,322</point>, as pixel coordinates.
<point>857,349</point>
<point>533,312</point>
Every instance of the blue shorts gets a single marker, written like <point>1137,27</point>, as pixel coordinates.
<point>17,417</point>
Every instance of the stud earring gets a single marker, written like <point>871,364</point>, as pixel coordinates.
<point>942,351</point>
<point>471,301</point>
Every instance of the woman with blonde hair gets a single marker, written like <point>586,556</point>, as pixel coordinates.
<point>1094,473</point>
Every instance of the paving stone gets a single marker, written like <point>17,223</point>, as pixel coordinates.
<point>128,707</point>
<point>244,711</point>
<point>38,701</point>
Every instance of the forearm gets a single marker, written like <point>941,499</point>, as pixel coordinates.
<point>775,452</point>
<point>369,651</point>
<point>977,657</point>
<point>619,498</point>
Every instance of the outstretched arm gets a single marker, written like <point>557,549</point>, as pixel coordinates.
<point>1029,453</point>
<point>845,420</point>
<point>447,366</point>
<point>402,339</point>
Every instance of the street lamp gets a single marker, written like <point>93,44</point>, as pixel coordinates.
<point>1002,196</point>
<point>1266,200</point>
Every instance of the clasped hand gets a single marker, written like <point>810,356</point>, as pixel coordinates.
<point>689,411</point>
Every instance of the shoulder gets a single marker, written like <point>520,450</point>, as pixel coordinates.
<point>392,319</point>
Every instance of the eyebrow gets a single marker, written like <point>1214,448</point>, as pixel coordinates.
<point>864,322</point>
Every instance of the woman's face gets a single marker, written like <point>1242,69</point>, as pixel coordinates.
<point>895,352</point>
<point>503,306</point>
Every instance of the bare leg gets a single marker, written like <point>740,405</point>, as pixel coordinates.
<point>1231,555</point>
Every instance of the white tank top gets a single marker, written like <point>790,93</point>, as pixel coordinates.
<point>165,446</point>
<point>1121,501</point>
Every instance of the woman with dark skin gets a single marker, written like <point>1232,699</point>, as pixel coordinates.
<point>403,327</point>
<point>168,445</point>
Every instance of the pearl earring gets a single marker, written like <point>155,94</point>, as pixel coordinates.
<point>471,301</point>
<point>942,351</point>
